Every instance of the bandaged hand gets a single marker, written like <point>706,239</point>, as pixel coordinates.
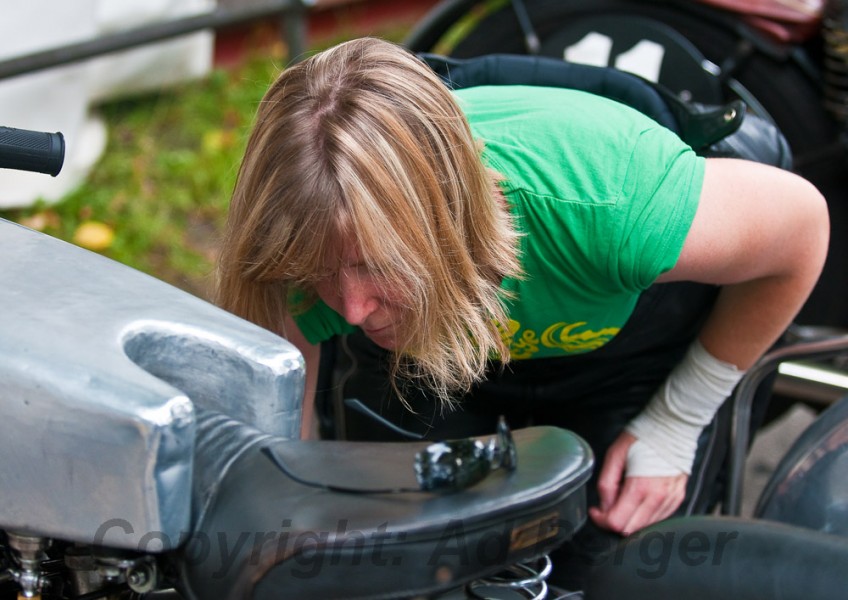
<point>667,430</point>
<point>644,473</point>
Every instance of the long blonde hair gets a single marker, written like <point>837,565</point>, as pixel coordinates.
<point>362,141</point>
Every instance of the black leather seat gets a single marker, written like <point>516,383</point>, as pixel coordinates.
<point>262,531</point>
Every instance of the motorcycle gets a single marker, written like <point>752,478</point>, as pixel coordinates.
<point>150,450</point>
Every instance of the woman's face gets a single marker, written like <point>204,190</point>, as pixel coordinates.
<point>361,297</point>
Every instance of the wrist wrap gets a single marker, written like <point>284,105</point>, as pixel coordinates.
<point>667,430</point>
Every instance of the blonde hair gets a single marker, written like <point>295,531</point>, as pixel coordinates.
<point>363,142</point>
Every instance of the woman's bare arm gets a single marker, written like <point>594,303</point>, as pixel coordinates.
<point>312,357</point>
<point>762,234</point>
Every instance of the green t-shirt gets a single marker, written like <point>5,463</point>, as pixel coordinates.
<point>603,197</point>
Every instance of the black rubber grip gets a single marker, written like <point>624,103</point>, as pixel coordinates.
<point>27,150</point>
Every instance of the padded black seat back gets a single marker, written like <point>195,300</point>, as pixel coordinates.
<point>727,131</point>
<point>516,69</point>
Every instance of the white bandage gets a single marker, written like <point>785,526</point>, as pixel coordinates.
<point>667,430</point>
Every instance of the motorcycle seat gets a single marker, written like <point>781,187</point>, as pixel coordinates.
<point>262,531</point>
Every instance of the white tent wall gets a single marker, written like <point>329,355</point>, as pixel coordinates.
<point>62,98</point>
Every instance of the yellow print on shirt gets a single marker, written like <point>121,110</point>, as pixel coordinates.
<point>558,335</point>
<point>525,346</point>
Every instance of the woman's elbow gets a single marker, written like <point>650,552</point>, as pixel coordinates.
<point>816,223</point>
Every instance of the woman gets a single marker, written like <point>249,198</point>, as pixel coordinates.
<point>475,235</point>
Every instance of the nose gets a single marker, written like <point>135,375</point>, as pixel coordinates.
<point>356,302</point>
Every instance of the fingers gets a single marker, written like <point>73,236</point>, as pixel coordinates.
<point>642,501</point>
<point>631,503</point>
<point>612,472</point>
<point>610,478</point>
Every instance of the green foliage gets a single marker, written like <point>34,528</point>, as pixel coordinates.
<point>163,184</point>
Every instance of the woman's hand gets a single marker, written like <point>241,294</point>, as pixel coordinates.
<point>631,503</point>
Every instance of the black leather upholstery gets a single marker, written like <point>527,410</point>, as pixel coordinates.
<point>721,131</point>
<point>260,533</point>
<point>519,69</point>
<point>710,558</point>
